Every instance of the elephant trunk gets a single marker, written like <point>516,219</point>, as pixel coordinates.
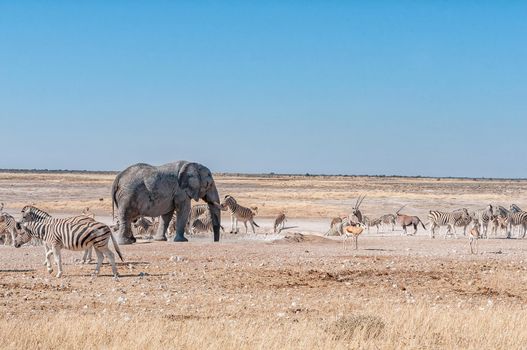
<point>216,220</point>
<point>213,200</point>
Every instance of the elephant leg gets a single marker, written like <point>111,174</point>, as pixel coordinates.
<point>164,221</point>
<point>182,218</point>
<point>124,234</point>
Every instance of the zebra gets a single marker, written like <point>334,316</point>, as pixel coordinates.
<point>441,218</point>
<point>144,226</point>
<point>62,233</point>
<point>372,222</point>
<point>279,222</point>
<point>388,219</point>
<point>8,226</point>
<point>462,221</point>
<point>517,219</point>
<point>203,224</point>
<point>483,216</point>
<point>195,212</point>
<point>32,213</point>
<point>498,222</point>
<point>239,212</point>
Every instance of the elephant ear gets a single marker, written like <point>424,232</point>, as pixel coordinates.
<point>189,180</point>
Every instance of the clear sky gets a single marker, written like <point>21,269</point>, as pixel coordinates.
<point>434,88</point>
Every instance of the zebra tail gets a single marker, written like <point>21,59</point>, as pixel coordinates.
<point>116,246</point>
<point>255,224</point>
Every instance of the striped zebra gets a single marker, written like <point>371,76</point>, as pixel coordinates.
<point>388,219</point>
<point>238,212</point>
<point>517,219</point>
<point>203,224</point>
<point>7,225</point>
<point>462,221</point>
<point>195,212</point>
<point>372,222</point>
<point>144,226</point>
<point>448,219</point>
<point>63,234</point>
<point>483,216</point>
<point>279,223</point>
<point>32,213</point>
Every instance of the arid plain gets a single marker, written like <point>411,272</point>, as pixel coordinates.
<point>292,290</point>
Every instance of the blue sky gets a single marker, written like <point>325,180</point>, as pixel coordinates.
<point>338,87</point>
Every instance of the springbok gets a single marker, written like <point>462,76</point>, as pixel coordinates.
<point>353,231</point>
<point>473,236</point>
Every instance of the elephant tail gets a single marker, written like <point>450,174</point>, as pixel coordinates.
<point>116,246</point>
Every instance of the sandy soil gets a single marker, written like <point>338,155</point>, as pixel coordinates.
<point>291,279</point>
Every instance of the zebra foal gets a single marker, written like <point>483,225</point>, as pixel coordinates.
<point>239,212</point>
<point>61,234</point>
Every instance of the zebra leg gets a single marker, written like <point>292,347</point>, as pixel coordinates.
<point>236,225</point>
<point>58,260</point>
<point>46,250</point>
<point>111,257</point>
<point>232,224</point>
<point>86,258</point>
<point>47,261</point>
<point>246,230</point>
<point>100,258</point>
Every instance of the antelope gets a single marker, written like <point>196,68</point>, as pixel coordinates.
<point>356,211</point>
<point>407,220</point>
<point>87,212</point>
<point>335,221</point>
<point>279,223</point>
<point>353,231</point>
<point>473,237</point>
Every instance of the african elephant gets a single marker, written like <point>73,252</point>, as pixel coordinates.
<point>146,190</point>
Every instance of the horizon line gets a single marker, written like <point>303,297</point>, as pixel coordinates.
<point>269,174</point>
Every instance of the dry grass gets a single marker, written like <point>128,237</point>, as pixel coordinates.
<point>386,327</point>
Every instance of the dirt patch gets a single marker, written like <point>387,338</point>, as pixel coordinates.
<point>297,237</point>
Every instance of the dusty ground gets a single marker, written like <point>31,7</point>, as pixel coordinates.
<point>274,291</point>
